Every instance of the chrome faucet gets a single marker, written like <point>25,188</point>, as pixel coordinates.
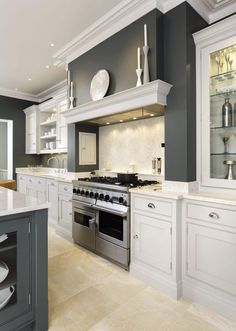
<point>53,158</point>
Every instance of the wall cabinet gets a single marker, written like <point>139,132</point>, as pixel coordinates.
<point>209,255</point>
<point>216,104</point>
<point>87,148</point>
<point>31,130</point>
<point>155,251</point>
<point>61,126</point>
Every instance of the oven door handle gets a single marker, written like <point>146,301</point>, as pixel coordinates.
<point>76,202</point>
<point>114,212</point>
<point>92,222</point>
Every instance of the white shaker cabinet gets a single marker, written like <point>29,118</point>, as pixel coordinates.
<point>52,197</point>
<point>155,250</point>
<point>65,209</point>
<point>31,130</point>
<point>21,183</point>
<point>209,255</point>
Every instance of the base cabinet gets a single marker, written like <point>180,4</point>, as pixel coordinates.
<point>155,253</point>
<point>52,197</point>
<point>209,255</point>
<point>65,209</point>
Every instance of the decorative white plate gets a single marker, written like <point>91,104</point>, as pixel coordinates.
<point>5,296</point>
<point>3,237</point>
<point>99,85</point>
<point>4,271</point>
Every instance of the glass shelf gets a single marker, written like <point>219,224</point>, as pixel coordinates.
<point>224,75</point>
<point>225,93</point>
<point>224,154</point>
<point>223,127</point>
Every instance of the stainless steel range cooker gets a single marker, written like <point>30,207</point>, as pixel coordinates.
<point>101,217</point>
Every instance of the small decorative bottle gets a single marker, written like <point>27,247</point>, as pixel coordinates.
<point>158,165</point>
<point>227,114</point>
<point>154,165</point>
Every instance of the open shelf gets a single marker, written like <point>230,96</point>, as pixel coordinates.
<point>224,75</point>
<point>224,127</point>
<point>225,154</point>
<point>48,123</point>
<point>52,136</point>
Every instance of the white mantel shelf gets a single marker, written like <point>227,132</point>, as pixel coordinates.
<point>137,97</point>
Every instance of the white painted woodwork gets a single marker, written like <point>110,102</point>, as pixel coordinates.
<point>152,242</point>
<point>211,39</point>
<point>52,197</point>
<point>31,130</point>
<point>65,212</point>
<point>154,206</point>
<point>61,126</point>
<point>212,257</point>
<point>21,184</point>
<point>87,148</point>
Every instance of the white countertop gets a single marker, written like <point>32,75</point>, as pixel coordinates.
<point>156,191</point>
<point>12,202</point>
<point>212,197</point>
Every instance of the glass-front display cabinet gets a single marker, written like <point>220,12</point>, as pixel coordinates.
<point>216,104</point>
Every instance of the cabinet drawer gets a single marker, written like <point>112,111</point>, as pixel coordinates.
<point>65,188</point>
<point>156,206</point>
<point>212,214</point>
<point>37,183</point>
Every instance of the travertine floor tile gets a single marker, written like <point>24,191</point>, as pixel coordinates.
<point>87,292</point>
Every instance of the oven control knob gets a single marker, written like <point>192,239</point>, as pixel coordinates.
<point>87,193</point>
<point>91,194</point>
<point>101,196</point>
<point>96,195</point>
<point>78,191</point>
<point>74,190</point>
<point>107,197</point>
<point>82,192</point>
<point>121,199</point>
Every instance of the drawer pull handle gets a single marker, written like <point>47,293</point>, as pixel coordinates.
<point>65,189</point>
<point>151,205</point>
<point>52,184</point>
<point>136,236</point>
<point>214,215</point>
<point>39,182</point>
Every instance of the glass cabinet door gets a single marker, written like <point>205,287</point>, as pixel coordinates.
<point>222,125</point>
<point>14,269</point>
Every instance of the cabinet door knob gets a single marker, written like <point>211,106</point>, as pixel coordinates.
<point>65,189</point>
<point>136,236</point>
<point>151,205</point>
<point>214,215</point>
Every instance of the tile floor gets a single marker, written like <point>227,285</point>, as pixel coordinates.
<point>87,292</point>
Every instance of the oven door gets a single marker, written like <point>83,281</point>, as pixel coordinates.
<point>113,226</point>
<point>83,225</point>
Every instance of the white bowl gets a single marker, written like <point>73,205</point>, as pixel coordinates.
<point>4,271</point>
<point>5,296</point>
<point>3,237</point>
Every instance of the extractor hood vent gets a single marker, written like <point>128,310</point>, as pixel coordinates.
<point>144,97</point>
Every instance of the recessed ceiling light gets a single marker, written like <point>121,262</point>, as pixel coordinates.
<point>134,118</point>
<point>52,45</point>
<point>47,66</point>
<point>107,123</point>
<point>121,121</point>
<point>29,79</point>
<point>151,115</point>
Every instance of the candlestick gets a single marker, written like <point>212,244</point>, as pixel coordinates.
<point>146,78</point>
<point>71,89</point>
<point>139,58</point>
<point>139,74</point>
<point>145,34</point>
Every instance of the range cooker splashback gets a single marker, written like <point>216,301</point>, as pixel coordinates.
<point>136,98</point>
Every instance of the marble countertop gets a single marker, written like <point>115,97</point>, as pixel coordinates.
<point>156,191</point>
<point>212,197</point>
<point>12,202</point>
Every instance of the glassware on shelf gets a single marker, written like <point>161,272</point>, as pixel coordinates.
<point>230,173</point>
<point>227,113</point>
<point>225,141</point>
<point>227,58</point>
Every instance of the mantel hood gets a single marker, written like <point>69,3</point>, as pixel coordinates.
<point>138,97</point>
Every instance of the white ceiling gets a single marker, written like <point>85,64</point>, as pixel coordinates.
<point>28,27</point>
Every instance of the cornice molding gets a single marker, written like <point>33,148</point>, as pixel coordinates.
<point>53,91</point>
<point>137,97</point>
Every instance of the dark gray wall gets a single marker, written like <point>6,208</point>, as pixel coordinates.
<point>179,70</point>
<point>3,145</point>
<point>73,147</point>
<point>11,109</point>
<point>118,55</point>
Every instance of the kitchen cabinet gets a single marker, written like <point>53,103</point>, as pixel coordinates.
<point>209,255</point>
<point>31,130</point>
<point>216,105</point>
<point>61,126</point>
<point>25,253</point>
<point>87,148</point>
<point>65,209</point>
<point>52,197</point>
<point>21,183</point>
<point>36,187</point>
<point>155,251</point>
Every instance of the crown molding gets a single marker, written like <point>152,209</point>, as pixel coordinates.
<point>18,95</point>
<point>56,90</point>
